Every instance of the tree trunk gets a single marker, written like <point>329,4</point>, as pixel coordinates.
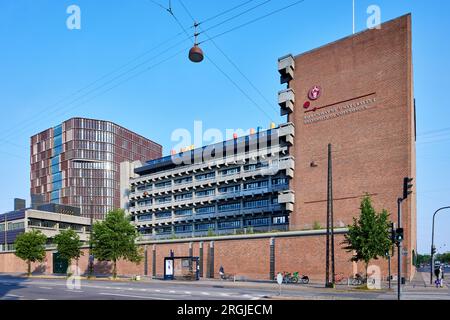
<point>29,268</point>
<point>367,272</point>
<point>114,269</point>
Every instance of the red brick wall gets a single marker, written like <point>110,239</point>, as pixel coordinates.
<point>249,258</point>
<point>372,150</point>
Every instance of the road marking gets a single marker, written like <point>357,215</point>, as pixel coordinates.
<point>188,292</point>
<point>224,294</point>
<point>205,293</point>
<point>45,288</point>
<point>172,291</point>
<point>14,296</point>
<point>255,298</point>
<point>41,299</point>
<point>157,290</point>
<point>131,296</point>
<point>75,291</point>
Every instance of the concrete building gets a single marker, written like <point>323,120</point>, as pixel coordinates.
<point>50,219</point>
<point>238,186</point>
<point>78,163</point>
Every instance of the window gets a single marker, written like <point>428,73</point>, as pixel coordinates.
<point>184,196</point>
<point>229,224</point>
<point>184,228</point>
<point>144,187</point>
<point>164,184</point>
<point>230,189</point>
<point>145,217</point>
<point>230,171</point>
<point>204,210</point>
<point>229,206</point>
<point>253,167</point>
<point>183,180</point>
<point>163,215</point>
<point>164,230</point>
<point>144,203</point>
<point>205,193</point>
<point>2,227</point>
<point>163,200</point>
<point>257,222</point>
<point>280,220</point>
<point>256,203</point>
<point>206,176</point>
<point>279,181</point>
<point>183,212</point>
<point>275,200</point>
<point>256,185</point>
<point>205,226</point>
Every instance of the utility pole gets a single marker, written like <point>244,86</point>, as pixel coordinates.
<point>399,253</point>
<point>433,249</point>
<point>353,16</point>
<point>330,281</point>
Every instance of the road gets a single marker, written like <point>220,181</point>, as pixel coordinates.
<point>18,288</point>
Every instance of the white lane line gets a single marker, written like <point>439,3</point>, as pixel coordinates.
<point>75,291</point>
<point>157,290</point>
<point>131,296</point>
<point>256,298</point>
<point>188,292</point>
<point>45,288</point>
<point>172,291</point>
<point>41,299</point>
<point>205,293</point>
<point>224,294</point>
<point>13,296</point>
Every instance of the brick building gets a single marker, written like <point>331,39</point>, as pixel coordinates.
<point>78,163</point>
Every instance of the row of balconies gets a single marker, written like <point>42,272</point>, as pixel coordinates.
<point>209,216</point>
<point>286,164</point>
<point>286,98</point>
<point>287,130</point>
<point>195,201</point>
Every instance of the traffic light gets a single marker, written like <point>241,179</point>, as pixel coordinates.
<point>433,250</point>
<point>407,186</point>
<point>399,236</point>
<point>393,239</point>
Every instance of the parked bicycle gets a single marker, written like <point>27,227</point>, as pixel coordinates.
<point>295,278</point>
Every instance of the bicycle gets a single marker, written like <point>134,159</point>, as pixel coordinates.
<point>295,278</point>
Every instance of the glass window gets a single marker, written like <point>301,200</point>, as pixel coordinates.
<point>183,212</point>
<point>183,228</point>
<point>257,222</point>
<point>230,224</point>
<point>204,210</point>
<point>163,215</point>
<point>205,193</point>
<point>280,220</point>
<point>205,226</point>
<point>256,203</point>
<point>229,206</point>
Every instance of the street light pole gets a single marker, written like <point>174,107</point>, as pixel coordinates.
<point>432,244</point>
<point>91,260</point>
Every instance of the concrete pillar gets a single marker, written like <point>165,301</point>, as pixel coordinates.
<point>154,261</point>
<point>272,259</point>
<point>200,255</point>
<point>210,262</point>
<point>145,261</point>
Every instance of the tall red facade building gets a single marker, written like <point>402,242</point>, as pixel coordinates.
<point>78,163</point>
<point>357,95</point>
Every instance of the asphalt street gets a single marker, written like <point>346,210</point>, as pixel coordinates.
<point>19,288</point>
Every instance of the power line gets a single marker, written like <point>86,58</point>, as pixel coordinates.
<point>253,21</point>
<point>237,15</point>
<point>121,75</point>
<point>225,74</point>
<point>225,12</point>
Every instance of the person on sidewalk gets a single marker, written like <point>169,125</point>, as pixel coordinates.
<point>222,273</point>
<point>438,274</point>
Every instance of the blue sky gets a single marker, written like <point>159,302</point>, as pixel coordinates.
<point>43,63</point>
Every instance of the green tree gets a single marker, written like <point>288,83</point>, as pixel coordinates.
<point>114,239</point>
<point>369,237</point>
<point>69,245</point>
<point>30,247</point>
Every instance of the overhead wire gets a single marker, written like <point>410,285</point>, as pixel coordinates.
<point>228,76</point>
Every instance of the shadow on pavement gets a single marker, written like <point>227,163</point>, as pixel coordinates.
<point>9,283</point>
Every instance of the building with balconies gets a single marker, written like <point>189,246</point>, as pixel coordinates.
<point>236,186</point>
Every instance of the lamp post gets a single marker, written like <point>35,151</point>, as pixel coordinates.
<point>432,244</point>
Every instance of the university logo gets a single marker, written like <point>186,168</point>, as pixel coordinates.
<point>315,93</point>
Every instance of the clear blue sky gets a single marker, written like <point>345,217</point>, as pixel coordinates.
<point>42,62</point>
